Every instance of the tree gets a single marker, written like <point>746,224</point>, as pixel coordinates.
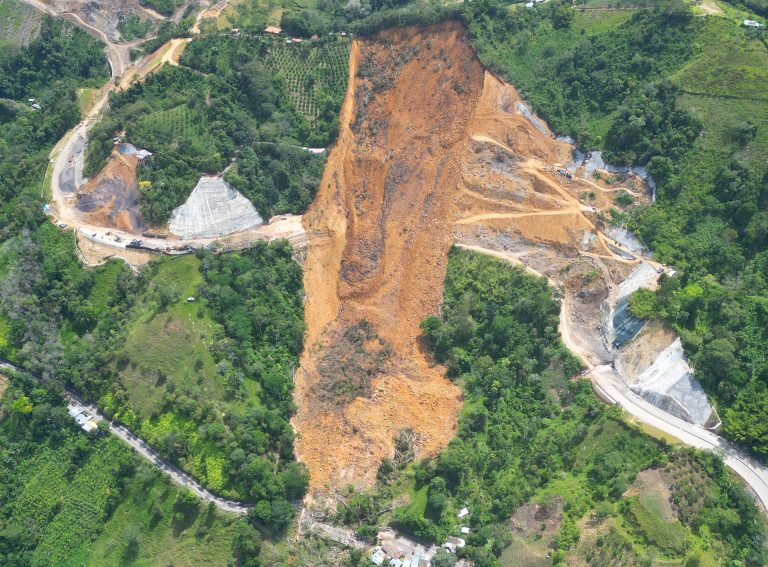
<point>563,17</point>
<point>443,559</point>
<point>247,546</point>
<point>21,405</point>
<point>186,500</point>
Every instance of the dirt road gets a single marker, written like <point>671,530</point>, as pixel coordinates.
<point>68,155</point>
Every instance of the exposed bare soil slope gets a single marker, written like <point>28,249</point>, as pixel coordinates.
<point>433,150</point>
<point>111,198</point>
<point>385,206</point>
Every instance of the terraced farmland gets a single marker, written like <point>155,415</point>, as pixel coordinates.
<point>309,71</point>
<point>165,126</point>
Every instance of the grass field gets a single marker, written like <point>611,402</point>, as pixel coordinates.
<point>205,539</point>
<point>104,282</point>
<point>730,64</point>
<point>308,69</point>
<point>522,552</point>
<point>167,355</point>
<point>242,13</point>
<point>169,346</point>
<point>86,98</point>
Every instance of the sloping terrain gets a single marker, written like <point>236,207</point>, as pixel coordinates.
<point>433,149</point>
<point>111,198</point>
<point>214,208</point>
<point>384,206</point>
<point>19,23</point>
<point>104,15</point>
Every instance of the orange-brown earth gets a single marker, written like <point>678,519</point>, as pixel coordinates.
<point>432,150</point>
<point>111,198</point>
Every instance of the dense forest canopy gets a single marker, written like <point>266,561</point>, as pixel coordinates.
<point>530,437</point>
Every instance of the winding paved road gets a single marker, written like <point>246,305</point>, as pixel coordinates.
<point>754,473</point>
<point>610,387</point>
<point>148,453</point>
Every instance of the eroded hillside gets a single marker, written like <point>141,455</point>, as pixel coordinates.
<point>384,208</point>
<point>433,150</point>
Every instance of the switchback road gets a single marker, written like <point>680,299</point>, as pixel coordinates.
<point>610,387</point>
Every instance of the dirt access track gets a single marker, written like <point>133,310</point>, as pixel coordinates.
<point>433,150</point>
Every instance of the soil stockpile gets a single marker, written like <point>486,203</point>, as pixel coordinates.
<point>111,198</point>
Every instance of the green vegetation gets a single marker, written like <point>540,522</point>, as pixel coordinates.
<point>39,71</point>
<point>18,22</point>
<point>683,95</point>
<point>315,75</point>
<point>70,498</point>
<point>525,444</point>
<point>133,27</point>
<point>604,86</point>
<point>208,382</point>
<point>232,99</point>
<point>80,327</point>
<point>164,7</point>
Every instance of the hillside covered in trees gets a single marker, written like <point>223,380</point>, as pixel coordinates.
<point>231,101</point>
<point>68,497</point>
<point>531,440</point>
<point>680,94</point>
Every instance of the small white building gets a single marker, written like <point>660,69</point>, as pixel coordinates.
<point>83,419</point>
<point>752,24</point>
<point>464,530</point>
<point>378,557</point>
<point>463,513</point>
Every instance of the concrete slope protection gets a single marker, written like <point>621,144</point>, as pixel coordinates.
<point>116,223</point>
<point>214,208</point>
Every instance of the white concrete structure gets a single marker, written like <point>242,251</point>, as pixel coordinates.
<point>214,208</point>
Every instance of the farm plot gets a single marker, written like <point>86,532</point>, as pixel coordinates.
<point>311,73</point>
<point>168,126</point>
